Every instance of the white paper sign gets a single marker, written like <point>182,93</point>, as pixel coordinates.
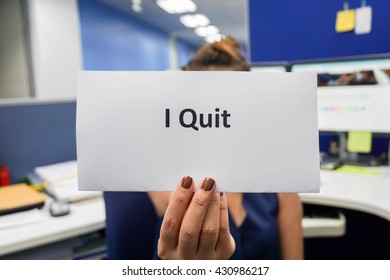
<point>363,20</point>
<point>144,131</point>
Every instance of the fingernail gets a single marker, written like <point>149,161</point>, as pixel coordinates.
<point>221,194</point>
<point>207,184</point>
<point>186,182</point>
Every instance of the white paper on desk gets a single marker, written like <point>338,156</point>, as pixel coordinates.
<point>123,143</point>
<point>63,178</point>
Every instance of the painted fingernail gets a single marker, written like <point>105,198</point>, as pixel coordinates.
<point>221,194</point>
<point>207,184</point>
<point>186,182</point>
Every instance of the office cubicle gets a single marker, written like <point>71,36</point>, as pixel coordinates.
<point>36,133</point>
<point>353,95</point>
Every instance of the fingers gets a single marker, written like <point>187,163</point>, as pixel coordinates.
<point>225,244</point>
<point>196,225</point>
<point>210,229</point>
<point>193,220</point>
<point>174,215</point>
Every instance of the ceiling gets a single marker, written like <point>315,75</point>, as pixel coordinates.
<point>230,16</point>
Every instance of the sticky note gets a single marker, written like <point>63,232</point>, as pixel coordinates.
<point>144,131</point>
<point>359,141</point>
<point>363,19</point>
<point>350,169</point>
<point>372,172</point>
<point>345,21</point>
<point>358,170</point>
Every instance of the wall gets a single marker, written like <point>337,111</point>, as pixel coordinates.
<point>62,30</point>
<point>185,53</point>
<point>55,47</point>
<point>14,66</point>
<point>301,29</point>
<point>113,40</point>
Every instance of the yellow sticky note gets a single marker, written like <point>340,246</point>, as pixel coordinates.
<point>359,141</point>
<point>345,21</point>
<point>350,169</point>
<point>358,170</point>
<point>372,172</point>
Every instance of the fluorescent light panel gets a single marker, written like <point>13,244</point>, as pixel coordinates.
<point>214,38</point>
<point>193,21</point>
<point>136,6</point>
<point>205,31</point>
<point>177,6</point>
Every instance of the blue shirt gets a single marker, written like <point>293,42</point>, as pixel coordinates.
<point>257,238</point>
<point>132,227</point>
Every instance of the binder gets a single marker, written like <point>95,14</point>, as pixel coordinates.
<point>20,197</point>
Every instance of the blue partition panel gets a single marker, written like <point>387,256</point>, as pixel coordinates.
<point>301,30</point>
<point>35,134</point>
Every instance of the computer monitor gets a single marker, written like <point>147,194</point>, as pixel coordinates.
<point>268,68</point>
<point>353,95</point>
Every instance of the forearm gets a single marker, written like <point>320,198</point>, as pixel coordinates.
<point>290,226</point>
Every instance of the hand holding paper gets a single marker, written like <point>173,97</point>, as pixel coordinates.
<point>196,225</point>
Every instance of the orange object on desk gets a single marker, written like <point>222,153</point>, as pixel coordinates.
<point>20,197</point>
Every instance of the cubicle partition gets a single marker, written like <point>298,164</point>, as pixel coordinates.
<point>35,133</point>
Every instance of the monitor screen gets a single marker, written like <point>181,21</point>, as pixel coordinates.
<point>352,95</point>
<point>268,68</point>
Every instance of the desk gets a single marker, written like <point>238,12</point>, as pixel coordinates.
<point>365,193</point>
<point>85,217</point>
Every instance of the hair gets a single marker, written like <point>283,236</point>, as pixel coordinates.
<point>222,55</point>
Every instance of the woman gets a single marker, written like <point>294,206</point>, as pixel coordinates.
<point>209,225</point>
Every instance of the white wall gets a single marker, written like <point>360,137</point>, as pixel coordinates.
<point>14,78</point>
<point>55,46</point>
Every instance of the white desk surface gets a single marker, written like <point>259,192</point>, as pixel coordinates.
<point>362,192</point>
<point>86,216</point>
<point>365,193</point>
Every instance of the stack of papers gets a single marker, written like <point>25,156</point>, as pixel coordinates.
<point>63,184</point>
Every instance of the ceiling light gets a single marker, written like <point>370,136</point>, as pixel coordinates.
<point>177,6</point>
<point>205,31</point>
<point>136,6</point>
<point>192,21</point>
<point>214,38</point>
